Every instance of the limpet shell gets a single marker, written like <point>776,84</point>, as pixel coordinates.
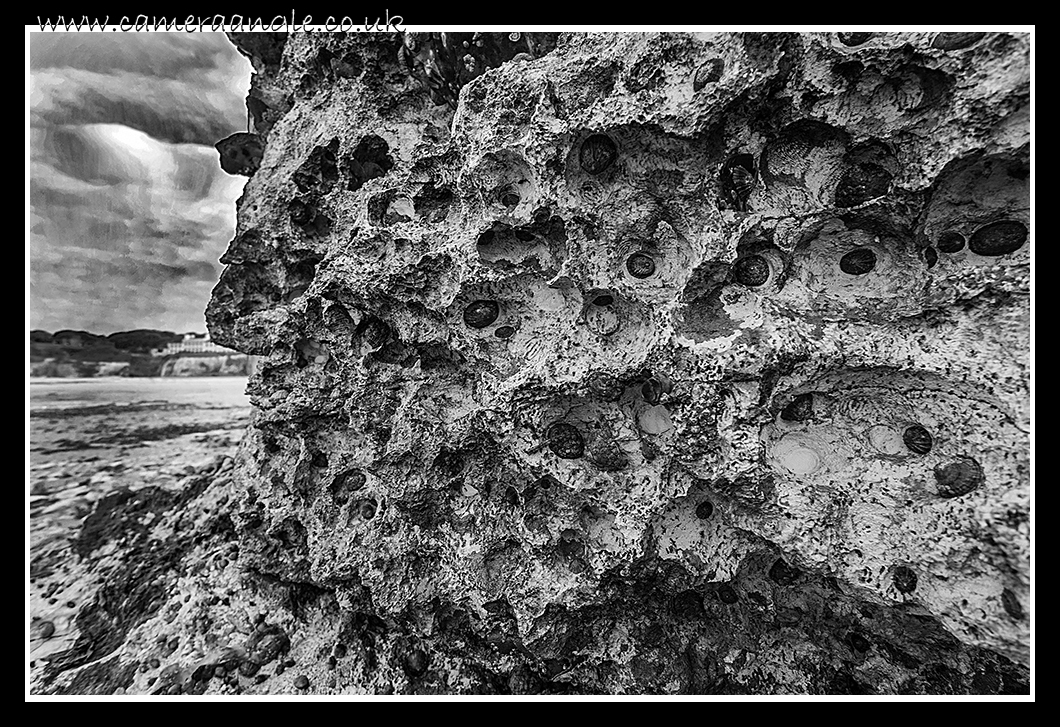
<point>955,41</point>
<point>959,477</point>
<point>481,313</point>
<point>950,242</point>
<point>1011,604</point>
<point>917,439</point>
<point>797,455</point>
<point>655,420</point>
<point>858,261</point>
<point>998,238</point>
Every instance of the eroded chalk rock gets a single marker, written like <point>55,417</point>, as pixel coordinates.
<point>628,363</point>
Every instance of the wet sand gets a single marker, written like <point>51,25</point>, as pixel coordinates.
<point>90,438</point>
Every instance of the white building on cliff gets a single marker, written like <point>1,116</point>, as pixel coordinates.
<point>194,343</point>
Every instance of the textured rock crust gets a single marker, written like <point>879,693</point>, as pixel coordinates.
<point>636,274</point>
<point>662,363</point>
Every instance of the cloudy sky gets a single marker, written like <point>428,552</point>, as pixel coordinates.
<point>129,208</point>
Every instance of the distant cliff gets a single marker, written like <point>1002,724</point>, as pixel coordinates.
<point>73,369</point>
<point>141,366</point>
<point>219,365</point>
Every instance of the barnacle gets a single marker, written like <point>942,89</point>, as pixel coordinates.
<point>727,595</point>
<point>565,440</point>
<point>861,183</point>
<point>366,509</point>
<point>752,271</point>
<point>301,212</point>
<point>704,509</point>
<point>904,579</point>
<point>640,265</point>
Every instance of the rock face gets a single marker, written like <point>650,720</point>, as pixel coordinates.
<point>640,363</point>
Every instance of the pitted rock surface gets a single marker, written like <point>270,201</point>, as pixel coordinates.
<point>526,423</point>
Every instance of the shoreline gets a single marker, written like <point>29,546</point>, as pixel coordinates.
<point>110,460</point>
<point>89,379</point>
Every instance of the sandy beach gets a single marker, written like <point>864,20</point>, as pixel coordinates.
<point>94,438</point>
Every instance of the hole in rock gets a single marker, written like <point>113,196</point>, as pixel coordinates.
<point>320,171</point>
<point>370,159</point>
<point>708,72</point>
<point>736,180</point>
<point>597,153</point>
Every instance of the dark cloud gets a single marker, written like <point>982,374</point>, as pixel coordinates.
<point>129,208</point>
<point>168,109</point>
<point>154,55</point>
